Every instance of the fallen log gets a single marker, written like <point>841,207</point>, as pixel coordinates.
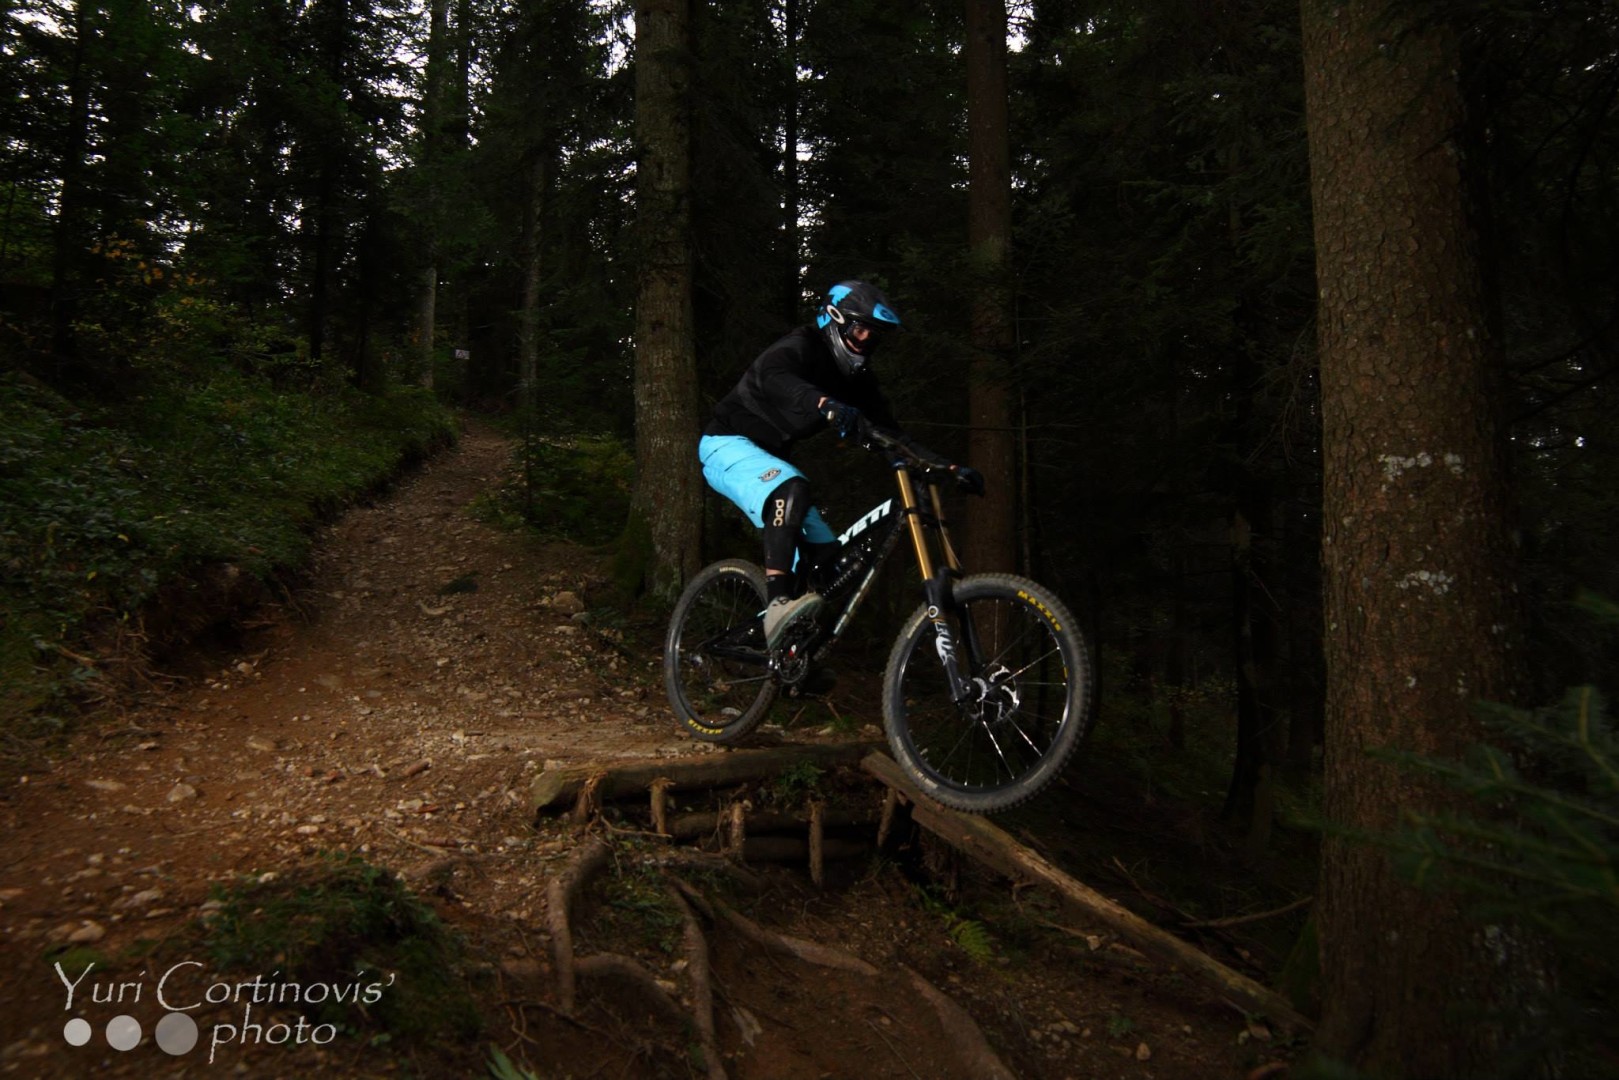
<point>984,841</point>
<point>711,822</point>
<point>798,849</point>
<point>562,785</point>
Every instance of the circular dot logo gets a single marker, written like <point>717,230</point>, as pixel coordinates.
<point>176,1034</point>
<point>77,1031</point>
<point>123,1032</point>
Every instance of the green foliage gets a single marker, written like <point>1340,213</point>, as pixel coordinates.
<point>796,783</point>
<point>1547,850</point>
<point>502,1067</point>
<point>970,934</point>
<point>1535,848</point>
<point>637,908</point>
<point>571,487</point>
<point>343,920</point>
<point>973,937</point>
<point>100,508</point>
<point>77,957</point>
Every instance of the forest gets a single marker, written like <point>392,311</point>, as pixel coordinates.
<point>1281,331</point>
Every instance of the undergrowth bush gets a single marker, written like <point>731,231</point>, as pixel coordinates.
<point>570,487</point>
<point>1535,849</point>
<point>343,922</point>
<point>102,505</point>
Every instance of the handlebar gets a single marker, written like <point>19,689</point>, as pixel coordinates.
<point>912,455</point>
<point>893,443</point>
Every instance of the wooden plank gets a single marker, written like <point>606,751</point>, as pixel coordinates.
<point>711,822</point>
<point>559,787</point>
<point>983,840</point>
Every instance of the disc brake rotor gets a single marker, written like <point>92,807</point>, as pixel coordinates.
<point>995,699</point>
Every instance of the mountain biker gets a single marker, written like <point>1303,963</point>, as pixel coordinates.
<point>816,377</point>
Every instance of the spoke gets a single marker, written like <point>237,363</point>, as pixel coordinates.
<point>966,732</point>
<point>1017,639</point>
<point>1037,660</point>
<point>996,743</point>
<point>1015,726</point>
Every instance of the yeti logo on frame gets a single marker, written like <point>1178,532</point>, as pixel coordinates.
<point>769,475</point>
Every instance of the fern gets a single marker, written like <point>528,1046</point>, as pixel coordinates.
<point>973,937</point>
<point>501,1067</point>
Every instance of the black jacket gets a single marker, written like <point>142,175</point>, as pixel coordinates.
<point>773,403</point>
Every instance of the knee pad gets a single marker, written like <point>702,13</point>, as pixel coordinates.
<point>784,512</point>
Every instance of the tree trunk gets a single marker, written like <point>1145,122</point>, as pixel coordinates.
<point>69,241</point>
<point>320,229</point>
<point>667,505</point>
<point>426,324</point>
<point>528,320</point>
<point>792,245</point>
<point>433,125</point>
<point>1415,546</point>
<point>1251,794</point>
<point>989,543</point>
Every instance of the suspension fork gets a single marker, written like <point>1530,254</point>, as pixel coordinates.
<point>937,581</point>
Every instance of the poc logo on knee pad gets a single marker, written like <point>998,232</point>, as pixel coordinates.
<point>781,513</point>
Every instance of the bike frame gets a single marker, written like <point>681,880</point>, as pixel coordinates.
<point>924,521</point>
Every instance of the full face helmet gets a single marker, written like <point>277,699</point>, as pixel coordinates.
<point>855,318</point>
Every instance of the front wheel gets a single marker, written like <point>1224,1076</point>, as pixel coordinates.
<point>716,669</point>
<point>1028,703</point>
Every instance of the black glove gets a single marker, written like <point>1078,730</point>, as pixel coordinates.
<point>969,478</point>
<point>846,420</point>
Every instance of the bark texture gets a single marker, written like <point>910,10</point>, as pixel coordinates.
<point>1415,547</point>
<point>990,541</point>
<point>667,506</point>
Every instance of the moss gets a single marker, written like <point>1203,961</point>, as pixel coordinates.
<point>340,922</point>
<point>632,558</point>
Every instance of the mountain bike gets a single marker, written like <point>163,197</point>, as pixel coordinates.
<point>988,688</point>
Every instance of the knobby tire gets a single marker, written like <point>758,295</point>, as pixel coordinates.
<point>1031,711</point>
<point>720,697</point>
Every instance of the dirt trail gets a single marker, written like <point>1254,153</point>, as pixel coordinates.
<point>432,666</point>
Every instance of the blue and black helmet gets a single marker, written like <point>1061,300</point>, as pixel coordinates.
<point>855,318</point>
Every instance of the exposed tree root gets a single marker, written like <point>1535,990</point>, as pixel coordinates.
<point>561,895</point>
<point>782,944</point>
<point>614,967</point>
<point>980,1059</point>
<point>702,987</point>
<point>706,862</point>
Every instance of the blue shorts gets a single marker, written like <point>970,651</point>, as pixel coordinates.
<point>737,468</point>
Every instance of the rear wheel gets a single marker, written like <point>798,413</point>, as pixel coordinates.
<point>716,669</point>
<point>1029,704</point>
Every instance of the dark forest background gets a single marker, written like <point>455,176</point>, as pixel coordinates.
<point>250,250</point>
